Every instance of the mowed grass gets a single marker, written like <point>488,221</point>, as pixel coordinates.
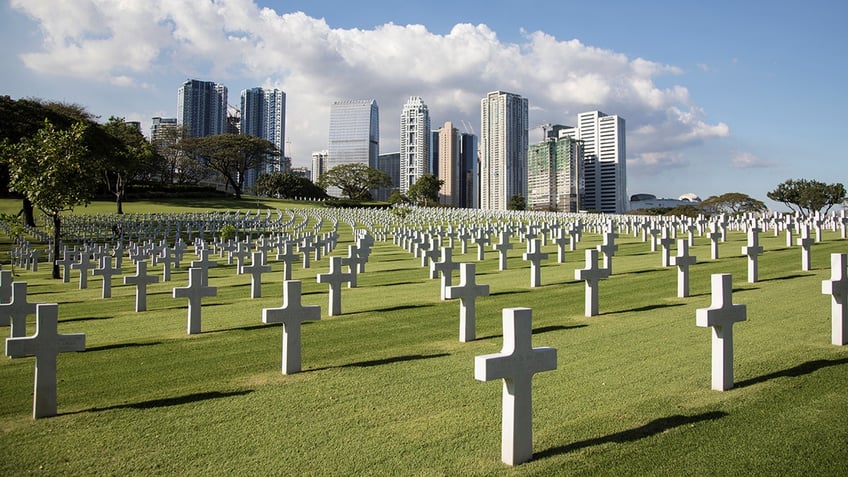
<point>387,388</point>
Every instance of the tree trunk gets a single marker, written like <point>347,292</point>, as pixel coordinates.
<point>120,202</point>
<point>57,227</point>
<point>29,214</point>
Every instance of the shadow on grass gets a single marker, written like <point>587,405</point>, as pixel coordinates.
<point>85,318</point>
<point>395,283</point>
<point>166,402</point>
<point>379,362</point>
<point>121,345</point>
<point>510,292</point>
<point>645,308</point>
<point>399,307</point>
<point>787,277</point>
<point>657,426</point>
<point>794,372</point>
<point>542,329</point>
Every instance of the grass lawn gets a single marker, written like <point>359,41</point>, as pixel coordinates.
<point>388,389</point>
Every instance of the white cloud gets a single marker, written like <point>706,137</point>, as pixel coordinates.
<point>240,44</point>
<point>746,160</point>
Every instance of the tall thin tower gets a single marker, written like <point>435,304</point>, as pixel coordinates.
<point>414,142</point>
<point>263,114</point>
<point>503,149</point>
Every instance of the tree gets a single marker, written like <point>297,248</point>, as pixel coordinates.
<point>517,202</point>
<point>55,170</point>
<point>425,191</point>
<point>23,118</point>
<point>286,185</point>
<point>733,203</point>
<point>132,157</point>
<point>355,180</point>
<point>231,155</point>
<point>397,198</point>
<point>809,196</point>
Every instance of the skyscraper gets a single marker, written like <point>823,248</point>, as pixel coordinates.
<point>553,173</point>
<point>263,114</point>
<point>450,168</point>
<point>202,108</point>
<point>469,182</point>
<point>354,133</point>
<point>414,142</point>
<point>604,161</point>
<point>319,164</point>
<point>503,149</point>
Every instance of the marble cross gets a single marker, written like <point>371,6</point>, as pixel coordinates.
<point>682,261</point>
<point>195,292</point>
<point>107,272</point>
<point>535,256</point>
<point>837,288</point>
<point>45,345</point>
<point>720,316</point>
<point>444,269</point>
<point>141,279</point>
<point>467,291</point>
<point>753,250</point>
<point>334,278</point>
<point>516,364</point>
<point>14,313</point>
<point>291,315</point>
<point>256,269</point>
<point>591,275</point>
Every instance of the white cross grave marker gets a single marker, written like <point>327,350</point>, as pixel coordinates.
<point>721,315</point>
<point>445,269</point>
<point>752,251</point>
<point>195,291</point>
<point>107,272</point>
<point>806,244</point>
<point>535,257</point>
<point>467,291</point>
<point>141,279</point>
<point>837,288</point>
<point>682,261</point>
<point>15,312</point>
<point>516,364</point>
<point>591,275</point>
<point>291,315</point>
<point>256,269</point>
<point>45,345</point>
<point>503,247</point>
<point>334,278</point>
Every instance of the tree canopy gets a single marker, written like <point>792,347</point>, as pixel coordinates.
<point>231,155</point>
<point>732,203</point>
<point>131,158</point>
<point>517,202</point>
<point>286,185</point>
<point>425,190</point>
<point>808,196</point>
<point>355,180</point>
<point>54,170</point>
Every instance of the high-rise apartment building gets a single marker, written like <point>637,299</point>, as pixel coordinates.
<point>604,166</point>
<point>450,168</point>
<point>319,164</point>
<point>503,149</point>
<point>202,108</point>
<point>553,173</point>
<point>161,128</point>
<point>263,114</point>
<point>469,183</point>
<point>390,164</point>
<point>414,142</point>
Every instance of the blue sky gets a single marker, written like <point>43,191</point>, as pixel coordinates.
<point>719,96</point>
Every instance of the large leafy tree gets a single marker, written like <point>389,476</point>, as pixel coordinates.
<point>286,185</point>
<point>23,118</point>
<point>517,202</point>
<point>355,180</point>
<point>732,203</point>
<point>425,190</point>
<point>55,170</point>
<point>231,155</point>
<point>131,158</point>
<point>808,196</point>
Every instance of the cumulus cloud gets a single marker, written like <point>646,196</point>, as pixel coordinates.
<point>746,160</point>
<point>236,42</point>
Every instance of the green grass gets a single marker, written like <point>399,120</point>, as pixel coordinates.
<point>387,388</point>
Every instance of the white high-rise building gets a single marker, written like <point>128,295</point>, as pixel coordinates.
<point>414,142</point>
<point>319,164</point>
<point>604,161</point>
<point>263,114</point>
<point>503,149</point>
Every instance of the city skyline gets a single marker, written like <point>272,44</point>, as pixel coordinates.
<point>713,106</point>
